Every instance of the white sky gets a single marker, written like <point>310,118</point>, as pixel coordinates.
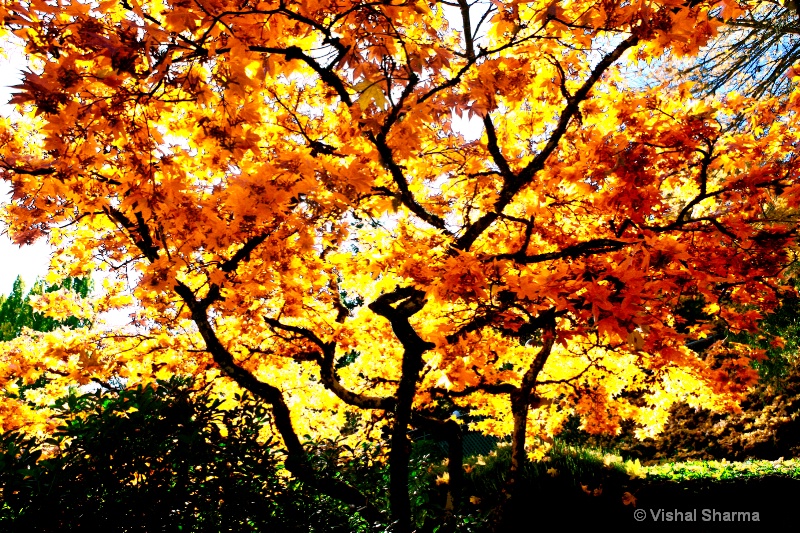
<point>32,261</point>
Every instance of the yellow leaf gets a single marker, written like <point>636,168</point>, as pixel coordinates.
<point>253,68</point>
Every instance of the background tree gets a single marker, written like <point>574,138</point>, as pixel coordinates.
<point>16,311</point>
<point>248,169</point>
<point>755,52</point>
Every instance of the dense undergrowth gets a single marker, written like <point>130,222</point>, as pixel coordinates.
<point>166,459</point>
<point>160,459</point>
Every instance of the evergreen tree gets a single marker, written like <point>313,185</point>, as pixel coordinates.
<point>16,311</point>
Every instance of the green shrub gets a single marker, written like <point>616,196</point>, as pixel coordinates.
<point>155,459</point>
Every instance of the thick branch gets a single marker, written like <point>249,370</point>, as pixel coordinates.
<point>327,370</point>
<point>405,195</point>
<point>243,253</point>
<point>463,7</point>
<point>489,388</point>
<point>138,231</point>
<point>411,301</point>
<point>494,149</point>
<point>521,399</point>
<point>46,171</point>
<point>325,74</point>
<point>548,338</point>
<point>591,247</point>
<point>703,194</point>
<point>398,108</point>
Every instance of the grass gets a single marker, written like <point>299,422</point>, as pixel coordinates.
<point>599,482</point>
<point>580,462</point>
<point>607,488</point>
<point>723,470</point>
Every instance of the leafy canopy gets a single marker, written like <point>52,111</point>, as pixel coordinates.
<point>281,189</point>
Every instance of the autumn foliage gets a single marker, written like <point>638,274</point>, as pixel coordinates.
<point>289,199</point>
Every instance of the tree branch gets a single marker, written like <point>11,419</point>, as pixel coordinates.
<point>591,247</point>
<point>526,175</point>
<point>297,461</point>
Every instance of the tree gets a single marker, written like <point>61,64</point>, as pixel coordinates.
<point>17,315</point>
<point>16,311</point>
<point>284,192</point>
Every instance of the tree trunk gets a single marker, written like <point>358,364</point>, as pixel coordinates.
<point>520,403</point>
<point>408,301</point>
<point>400,452</point>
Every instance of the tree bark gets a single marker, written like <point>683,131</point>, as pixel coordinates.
<point>408,301</point>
